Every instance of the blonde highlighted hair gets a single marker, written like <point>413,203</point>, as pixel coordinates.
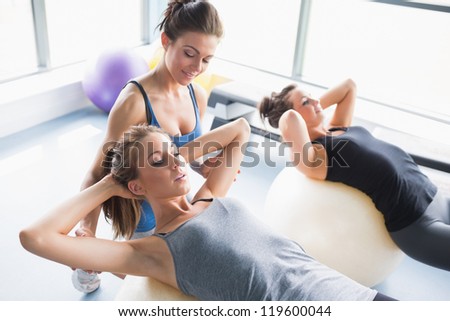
<point>122,161</point>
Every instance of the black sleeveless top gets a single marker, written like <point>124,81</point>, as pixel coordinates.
<point>386,173</point>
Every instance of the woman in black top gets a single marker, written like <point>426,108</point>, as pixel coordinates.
<point>416,215</point>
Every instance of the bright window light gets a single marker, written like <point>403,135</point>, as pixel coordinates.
<point>259,33</point>
<point>79,29</point>
<point>399,55</point>
<point>17,44</point>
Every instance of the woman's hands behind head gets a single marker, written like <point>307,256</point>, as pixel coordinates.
<point>117,189</point>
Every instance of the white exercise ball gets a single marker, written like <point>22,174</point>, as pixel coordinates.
<point>140,288</point>
<point>336,224</point>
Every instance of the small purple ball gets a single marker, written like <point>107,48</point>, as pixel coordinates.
<point>107,73</point>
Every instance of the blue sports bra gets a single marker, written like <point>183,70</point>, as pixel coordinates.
<point>179,140</point>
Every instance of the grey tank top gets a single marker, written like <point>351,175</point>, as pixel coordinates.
<point>226,253</point>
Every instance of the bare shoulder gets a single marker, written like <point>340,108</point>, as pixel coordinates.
<point>128,110</point>
<point>200,96</point>
<point>130,101</point>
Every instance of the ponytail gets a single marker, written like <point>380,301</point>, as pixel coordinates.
<point>122,160</point>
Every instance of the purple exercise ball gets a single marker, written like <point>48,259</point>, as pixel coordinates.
<point>107,74</point>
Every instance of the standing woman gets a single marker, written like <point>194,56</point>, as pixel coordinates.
<point>165,97</point>
<point>416,214</point>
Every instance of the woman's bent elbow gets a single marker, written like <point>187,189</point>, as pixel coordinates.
<point>30,239</point>
<point>288,116</point>
<point>289,119</point>
<point>243,122</point>
<point>244,127</point>
<point>351,84</point>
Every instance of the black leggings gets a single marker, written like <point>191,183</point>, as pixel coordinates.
<point>428,239</point>
<point>382,297</point>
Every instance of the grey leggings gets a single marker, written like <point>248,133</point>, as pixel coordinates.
<point>428,239</point>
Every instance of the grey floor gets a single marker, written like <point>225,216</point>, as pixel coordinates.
<point>45,164</point>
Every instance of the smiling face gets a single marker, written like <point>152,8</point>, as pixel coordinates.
<point>189,55</point>
<point>308,107</point>
<point>161,170</point>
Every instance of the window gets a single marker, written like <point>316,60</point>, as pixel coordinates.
<point>78,29</point>
<point>259,33</point>
<point>17,44</point>
<point>396,54</point>
<point>68,31</point>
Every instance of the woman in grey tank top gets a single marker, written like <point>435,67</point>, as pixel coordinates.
<point>212,248</point>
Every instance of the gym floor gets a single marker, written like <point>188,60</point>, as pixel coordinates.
<point>45,164</point>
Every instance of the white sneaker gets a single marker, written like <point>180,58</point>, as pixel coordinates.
<point>85,282</point>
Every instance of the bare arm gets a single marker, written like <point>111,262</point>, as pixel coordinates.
<point>202,168</point>
<point>229,138</point>
<point>308,158</point>
<point>344,97</point>
<point>49,238</point>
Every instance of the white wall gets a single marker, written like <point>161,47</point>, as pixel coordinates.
<point>29,101</point>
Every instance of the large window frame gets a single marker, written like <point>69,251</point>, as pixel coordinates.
<point>150,10</point>
<point>303,31</point>
<point>150,15</point>
<point>430,5</point>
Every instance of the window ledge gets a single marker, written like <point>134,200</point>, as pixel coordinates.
<point>31,100</point>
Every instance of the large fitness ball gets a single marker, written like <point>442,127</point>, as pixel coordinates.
<point>336,224</point>
<point>107,73</point>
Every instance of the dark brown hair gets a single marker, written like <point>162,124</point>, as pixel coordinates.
<point>121,161</point>
<point>190,15</point>
<point>274,106</point>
